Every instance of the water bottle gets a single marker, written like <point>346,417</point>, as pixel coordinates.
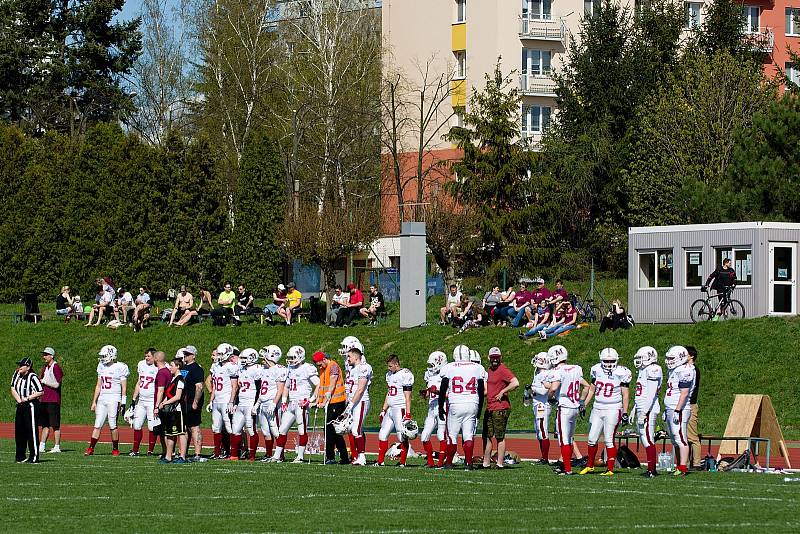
<point>527,396</point>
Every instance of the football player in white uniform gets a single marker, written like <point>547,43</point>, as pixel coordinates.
<point>648,384</point>
<point>463,390</point>
<point>273,382</point>
<point>541,408</point>
<point>142,399</point>
<point>680,384</point>
<point>246,405</point>
<point>609,389</point>
<point>109,397</point>
<point>396,409</point>
<point>565,392</point>
<point>357,382</point>
<point>224,382</point>
<point>301,380</point>
<point>433,382</point>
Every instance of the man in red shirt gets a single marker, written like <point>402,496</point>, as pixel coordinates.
<point>163,379</point>
<point>498,409</point>
<point>51,378</point>
<point>352,309</point>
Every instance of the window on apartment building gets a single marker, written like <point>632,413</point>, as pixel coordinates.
<point>792,73</point>
<point>461,64</point>
<point>751,19</point>
<point>655,269</point>
<point>742,259</point>
<point>692,15</point>
<point>591,7</point>
<point>535,119</point>
<point>792,21</point>
<point>461,10</point>
<point>537,9</point>
<point>457,120</point>
<point>536,62</point>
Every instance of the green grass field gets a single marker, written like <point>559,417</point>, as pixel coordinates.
<point>752,356</point>
<point>71,493</point>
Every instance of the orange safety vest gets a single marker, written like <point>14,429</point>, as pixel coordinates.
<point>337,389</point>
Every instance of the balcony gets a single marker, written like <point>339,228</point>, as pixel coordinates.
<point>762,41</point>
<point>537,85</point>
<point>544,30</point>
<point>531,140</point>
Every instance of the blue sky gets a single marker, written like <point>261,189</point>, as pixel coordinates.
<point>131,9</point>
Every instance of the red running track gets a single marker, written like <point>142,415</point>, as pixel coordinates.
<point>525,446</point>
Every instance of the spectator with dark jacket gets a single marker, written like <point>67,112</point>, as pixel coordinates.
<point>376,305</point>
<point>615,318</point>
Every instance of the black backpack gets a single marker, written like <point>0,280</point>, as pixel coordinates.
<point>626,459</point>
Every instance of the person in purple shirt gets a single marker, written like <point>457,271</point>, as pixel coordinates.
<point>522,300</point>
<point>539,295</point>
<point>51,378</point>
<point>559,295</point>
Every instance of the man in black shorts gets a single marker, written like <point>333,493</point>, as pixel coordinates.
<point>194,379</point>
<point>50,407</point>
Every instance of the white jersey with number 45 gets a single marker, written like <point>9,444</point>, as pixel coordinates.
<point>147,378</point>
<point>682,376</point>
<point>463,380</point>
<point>396,383</point>
<point>569,392</point>
<point>221,376</point>
<point>110,378</point>
<point>298,381</point>
<point>608,385</point>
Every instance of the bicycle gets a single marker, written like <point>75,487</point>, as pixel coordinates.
<point>586,308</point>
<point>726,308</point>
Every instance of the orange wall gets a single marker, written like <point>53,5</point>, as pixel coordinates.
<point>773,15</point>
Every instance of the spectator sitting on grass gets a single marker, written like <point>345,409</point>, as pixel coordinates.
<point>103,305</point>
<point>502,310</point>
<point>339,301</point>
<point>522,300</point>
<point>184,301</point>
<point>539,321</point>
<point>352,309</point>
<point>615,318</point>
<point>204,308</point>
<point>293,302</point>
<point>477,318</point>
<point>244,304</point>
<point>463,312</point>
<point>226,301</point>
<point>278,300</point>
<point>376,305</point>
<point>142,311</point>
<point>64,304</point>
<point>559,295</point>
<point>564,319</point>
<point>490,301</point>
<point>124,304</point>
<point>451,304</point>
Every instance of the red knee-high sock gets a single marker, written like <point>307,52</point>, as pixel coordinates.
<point>650,450</point>
<point>383,446</point>
<point>137,439</point>
<point>92,442</point>
<point>469,446</point>
<point>217,443</point>
<point>682,468</point>
<point>151,441</point>
<point>403,452</point>
<point>452,448</point>
<point>442,452</point>
<point>281,441</point>
<point>428,451</point>
<point>353,446</point>
<point>303,440</point>
<point>544,445</point>
<point>115,444</point>
<point>268,446</point>
<point>236,442</point>
<point>611,457</point>
<point>253,446</point>
<point>566,457</point>
<point>361,444</point>
<point>592,455</point>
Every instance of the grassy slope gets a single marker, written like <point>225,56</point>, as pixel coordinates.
<point>85,495</point>
<point>754,356</point>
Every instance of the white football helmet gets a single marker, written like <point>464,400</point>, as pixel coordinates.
<point>108,353</point>
<point>541,361</point>
<point>343,423</point>
<point>644,357</point>
<point>348,343</point>
<point>676,356</point>
<point>436,361</point>
<point>248,356</point>
<point>129,414</point>
<point>271,353</point>
<point>461,353</point>
<point>295,355</point>
<point>557,354</point>
<point>474,356</point>
<point>409,429</point>
<point>224,352</point>
<point>609,358</point>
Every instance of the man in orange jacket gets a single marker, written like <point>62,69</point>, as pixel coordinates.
<point>331,396</point>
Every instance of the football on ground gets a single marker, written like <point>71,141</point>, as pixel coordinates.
<point>71,493</point>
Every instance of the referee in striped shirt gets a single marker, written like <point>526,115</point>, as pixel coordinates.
<point>26,390</point>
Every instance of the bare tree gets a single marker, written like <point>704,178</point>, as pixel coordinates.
<point>451,231</point>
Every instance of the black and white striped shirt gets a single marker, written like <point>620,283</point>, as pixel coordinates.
<point>25,385</point>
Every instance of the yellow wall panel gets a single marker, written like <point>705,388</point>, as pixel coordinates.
<point>459,36</point>
<point>458,94</point>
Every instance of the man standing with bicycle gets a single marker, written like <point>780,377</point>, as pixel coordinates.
<point>724,280</point>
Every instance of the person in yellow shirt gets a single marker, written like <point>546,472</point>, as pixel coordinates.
<point>293,301</point>
<point>332,398</point>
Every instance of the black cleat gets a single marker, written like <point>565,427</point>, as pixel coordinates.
<point>649,474</point>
